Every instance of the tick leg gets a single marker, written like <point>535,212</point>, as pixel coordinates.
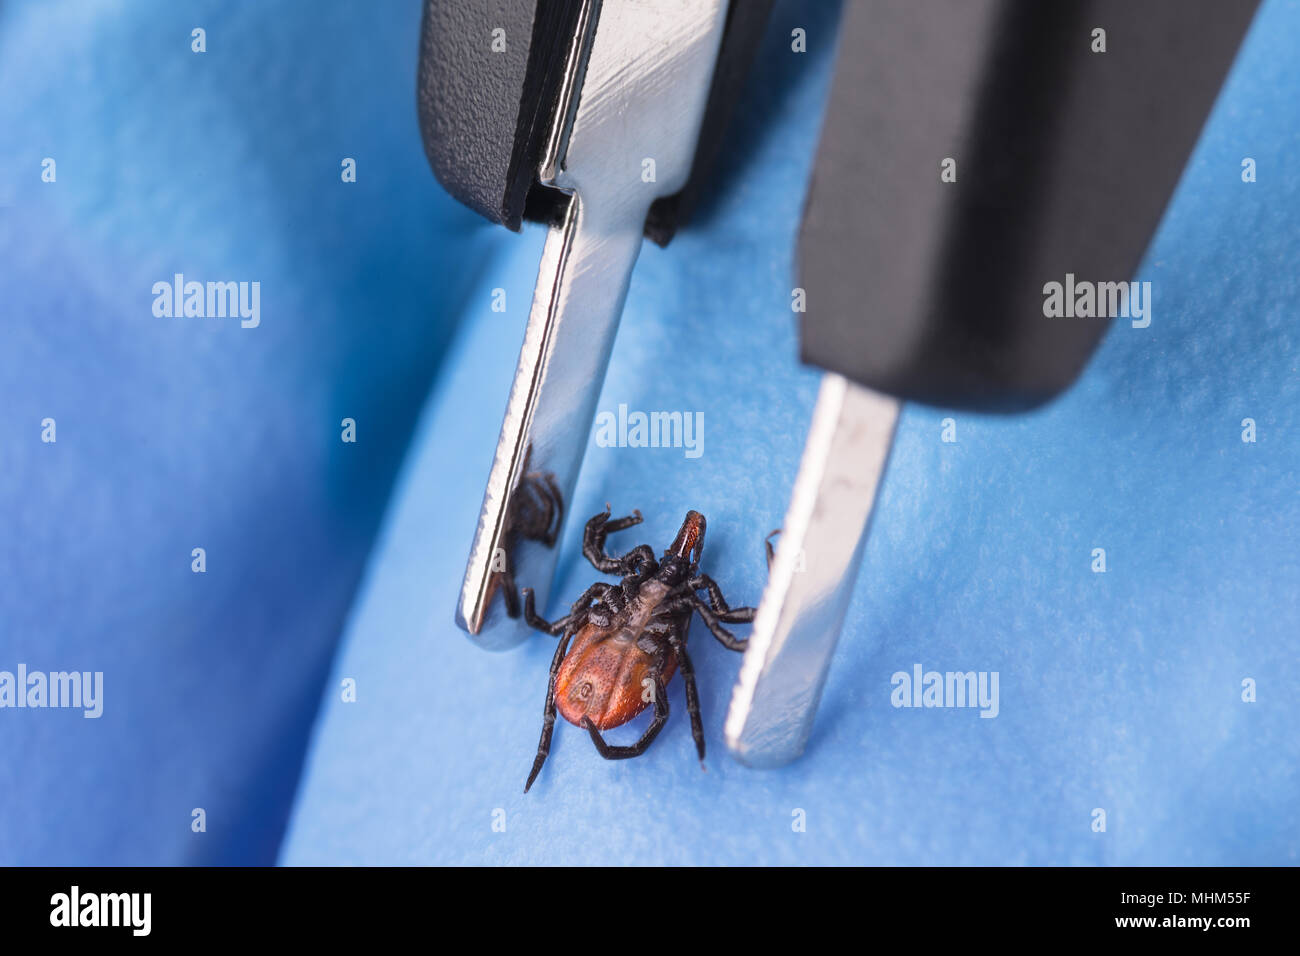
<point>615,599</point>
<point>711,621</point>
<point>638,561</point>
<point>610,752</point>
<point>718,604</point>
<point>692,694</point>
<point>534,620</point>
<point>548,713</point>
<point>669,631</point>
<point>593,540</point>
<point>767,546</point>
<point>595,592</point>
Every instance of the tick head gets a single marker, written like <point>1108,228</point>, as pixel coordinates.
<point>689,543</point>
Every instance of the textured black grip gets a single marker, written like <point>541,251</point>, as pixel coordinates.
<point>485,113</point>
<point>1065,159</point>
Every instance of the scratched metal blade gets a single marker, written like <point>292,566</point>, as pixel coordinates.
<point>638,95</point>
<point>812,576</point>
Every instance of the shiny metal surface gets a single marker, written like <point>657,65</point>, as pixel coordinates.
<point>640,95</point>
<point>811,581</point>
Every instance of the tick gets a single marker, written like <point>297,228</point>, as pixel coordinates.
<point>628,639</point>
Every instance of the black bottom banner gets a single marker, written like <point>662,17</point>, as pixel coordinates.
<point>368,905</point>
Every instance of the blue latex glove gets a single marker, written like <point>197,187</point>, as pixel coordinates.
<point>174,434</point>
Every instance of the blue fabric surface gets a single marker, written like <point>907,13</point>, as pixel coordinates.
<point>173,433</point>
<point>1120,691</point>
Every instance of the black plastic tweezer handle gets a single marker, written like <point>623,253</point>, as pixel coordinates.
<point>489,76</point>
<point>1065,159</point>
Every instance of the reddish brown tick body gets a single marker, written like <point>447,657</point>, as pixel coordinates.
<point>620,644</point>
<point>605,676</point>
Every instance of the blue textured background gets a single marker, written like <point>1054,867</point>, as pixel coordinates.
<point>1119,691</point>
<point>183,433</point>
